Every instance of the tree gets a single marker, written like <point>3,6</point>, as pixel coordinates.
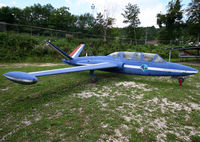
<point>11,15</point>
<point>6,15</point>
<point>131,16</point>
<point>62,19</point>
<point>103,24</point>
<point>85,23</point>
<point>37,15</point>
<point>171,23</point>
<point>99,24</point>
<point>146,33</point>
<point>193,22</point>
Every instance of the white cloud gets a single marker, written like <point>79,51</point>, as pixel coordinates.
<point>1,5</point>
<point>13,3</point>
<point>148,15</point>
<point>69,3</point>
<point>148,9</point>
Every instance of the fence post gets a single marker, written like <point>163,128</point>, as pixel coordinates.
<point>170,51</point>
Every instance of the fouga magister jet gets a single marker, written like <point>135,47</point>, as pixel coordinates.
<point>135,63</point>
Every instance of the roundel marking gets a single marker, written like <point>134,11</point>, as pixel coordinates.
<point>144,67</point>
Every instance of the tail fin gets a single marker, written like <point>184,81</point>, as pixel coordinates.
<point>72,55</point>
<point>77,51</point>
<point>65,55</point>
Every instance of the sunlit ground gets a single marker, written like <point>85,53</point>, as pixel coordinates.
<point>118,107</point>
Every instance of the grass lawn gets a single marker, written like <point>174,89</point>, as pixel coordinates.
<point>118,107</point>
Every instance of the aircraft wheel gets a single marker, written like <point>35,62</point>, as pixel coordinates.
<point>181,80</point>
<point>93,79</point>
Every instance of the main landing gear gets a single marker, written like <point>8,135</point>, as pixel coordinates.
<point>93,78</point>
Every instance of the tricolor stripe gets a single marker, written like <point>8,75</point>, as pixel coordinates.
<point>77,51</point>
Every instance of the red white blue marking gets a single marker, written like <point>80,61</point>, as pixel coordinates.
<point>77,51</point>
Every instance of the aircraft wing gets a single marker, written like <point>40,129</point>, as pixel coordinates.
<point>74,69</point>
<point>30,78</point>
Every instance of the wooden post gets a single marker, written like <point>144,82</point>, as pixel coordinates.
<point>145,41</point>
<point>135,36</point>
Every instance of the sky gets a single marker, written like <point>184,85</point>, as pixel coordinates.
<point>148,8</point>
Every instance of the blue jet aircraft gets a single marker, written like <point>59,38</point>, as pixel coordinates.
<point>136,63</point>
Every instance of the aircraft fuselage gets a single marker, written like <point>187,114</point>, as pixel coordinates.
<point>136,67</point>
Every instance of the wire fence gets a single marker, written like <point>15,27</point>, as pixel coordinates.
<point>20,42</point>
<point>41,31</point>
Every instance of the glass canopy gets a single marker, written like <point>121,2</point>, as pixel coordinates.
<point>137,56</point>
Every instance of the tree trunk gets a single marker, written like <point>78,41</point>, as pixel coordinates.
<point>198,38</point>
<point>145,41</point>
<point>104,36</point>
<point>135,36</point>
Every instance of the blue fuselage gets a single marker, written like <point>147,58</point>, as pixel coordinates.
<point>148,68</point>
<point>136,63</point>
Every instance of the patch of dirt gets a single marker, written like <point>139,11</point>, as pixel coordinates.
<point>159,123</point>
<point>117,137</point>
<point>142,113</point>
<point>197,85</point>
<point>26,122</point>
<point>37,118</point>
<point>20,65</point>
<point>9,134</point>
<point>128,119</point>
<point>5,89</point>
<point>88,94</point>
<point>104,125</point>
<point>194,106</point>
<point>134,85</point>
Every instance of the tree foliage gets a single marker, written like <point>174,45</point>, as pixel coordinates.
<point>61,19</point>
<point>193,22</point>
<point>171,23</point>
<point>85,23</point>
<point>103,24</point>
<point>131,17</point>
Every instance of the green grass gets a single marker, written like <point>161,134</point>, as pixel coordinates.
<point>68,107</point>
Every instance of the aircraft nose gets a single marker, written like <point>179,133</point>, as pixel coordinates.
<point>190,70</point>
<point>195,70</point>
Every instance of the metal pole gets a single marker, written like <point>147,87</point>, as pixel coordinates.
<point>170,51</point>
<point>93,7</point>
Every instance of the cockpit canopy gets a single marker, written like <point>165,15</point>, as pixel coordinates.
<point>138,56</point>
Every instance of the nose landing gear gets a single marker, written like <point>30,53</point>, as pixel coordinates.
<point>181,80</point>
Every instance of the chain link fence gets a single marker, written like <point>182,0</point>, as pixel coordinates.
<point>41,31</point>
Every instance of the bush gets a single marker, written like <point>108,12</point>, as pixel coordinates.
<point>24,47</point>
